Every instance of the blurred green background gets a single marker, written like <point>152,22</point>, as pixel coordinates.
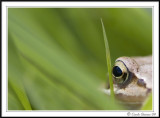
<point>56,56</point>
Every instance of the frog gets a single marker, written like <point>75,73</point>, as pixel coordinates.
<point>132,80</point>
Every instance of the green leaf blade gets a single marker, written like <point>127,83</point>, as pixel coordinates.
<point>148,103</point>
<point>108,59</point>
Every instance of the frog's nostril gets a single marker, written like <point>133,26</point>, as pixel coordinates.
<point>141,82</point>
<point>117,71</point>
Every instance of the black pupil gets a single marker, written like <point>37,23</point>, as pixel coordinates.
<point>117,71</point>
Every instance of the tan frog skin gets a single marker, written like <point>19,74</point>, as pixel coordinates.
<point>135,88</point>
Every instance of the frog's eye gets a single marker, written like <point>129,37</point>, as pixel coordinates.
<point>120,72</point>
<point>117,71</point>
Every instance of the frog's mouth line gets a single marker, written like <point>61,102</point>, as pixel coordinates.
<point>130,99</point>
<point>131,102</point>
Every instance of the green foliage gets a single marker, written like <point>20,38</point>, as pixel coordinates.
<point>108,60</point>
<point>56,56</point>
<point>148,103</point>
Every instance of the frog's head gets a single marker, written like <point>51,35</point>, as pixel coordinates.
<point>128,86</point>
<point>123,71</point>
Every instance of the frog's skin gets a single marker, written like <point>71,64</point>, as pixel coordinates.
<point>139,82</point>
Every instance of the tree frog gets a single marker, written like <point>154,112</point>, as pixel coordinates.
<point>132,78</point>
